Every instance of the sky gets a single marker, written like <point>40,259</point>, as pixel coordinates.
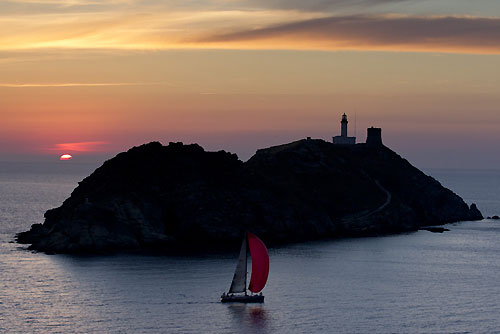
<point>94,77</point>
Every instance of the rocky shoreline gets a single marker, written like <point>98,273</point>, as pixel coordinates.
<point>180,196</point>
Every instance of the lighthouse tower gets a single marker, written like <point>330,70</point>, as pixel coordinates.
<point>343,139</point>
<point>343,126</point>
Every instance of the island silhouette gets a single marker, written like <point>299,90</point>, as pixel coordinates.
<point>180,197</point>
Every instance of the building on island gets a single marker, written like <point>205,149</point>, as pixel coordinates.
<point>343,139</point>
<point>374,136</point>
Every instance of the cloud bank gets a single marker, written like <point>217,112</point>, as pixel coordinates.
<point>241,24</point>
<point>382,32</point>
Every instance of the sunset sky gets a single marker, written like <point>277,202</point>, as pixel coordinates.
<point>94,77</point>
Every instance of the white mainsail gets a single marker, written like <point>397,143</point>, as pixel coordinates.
<point>239,283</point>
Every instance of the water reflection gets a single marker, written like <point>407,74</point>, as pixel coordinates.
<point>250,318</point>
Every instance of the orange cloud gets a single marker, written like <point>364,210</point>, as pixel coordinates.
<point>120,29</point>
<point>88,146</point>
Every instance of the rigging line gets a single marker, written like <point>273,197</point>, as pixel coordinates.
<point>355,122</point>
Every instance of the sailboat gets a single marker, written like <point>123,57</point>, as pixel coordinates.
<point>260,271</point>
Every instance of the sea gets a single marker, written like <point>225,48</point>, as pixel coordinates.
<point>418,282</point>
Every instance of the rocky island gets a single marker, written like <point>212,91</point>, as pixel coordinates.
<point>181,196</point>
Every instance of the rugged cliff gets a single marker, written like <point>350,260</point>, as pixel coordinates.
<point>179,196</point>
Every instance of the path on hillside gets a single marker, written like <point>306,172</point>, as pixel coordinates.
<point>386,203</point>
<point>365,214</point>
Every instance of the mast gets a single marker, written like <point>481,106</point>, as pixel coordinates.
<point>239,283</point>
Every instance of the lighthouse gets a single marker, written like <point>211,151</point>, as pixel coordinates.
<point>343,139</point>
<point>343,126</point>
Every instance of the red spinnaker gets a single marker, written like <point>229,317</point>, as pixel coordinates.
<point>260,263</point>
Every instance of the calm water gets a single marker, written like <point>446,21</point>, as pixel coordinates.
<point>418,282</point>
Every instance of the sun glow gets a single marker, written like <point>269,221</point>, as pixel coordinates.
<point>66,157</point>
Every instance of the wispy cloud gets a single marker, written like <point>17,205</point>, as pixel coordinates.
<point>75,84</point>
<point>376,32</point>
<point>149,30</point>
<point>88,146</point>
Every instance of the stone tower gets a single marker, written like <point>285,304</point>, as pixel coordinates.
<point>374,136</point>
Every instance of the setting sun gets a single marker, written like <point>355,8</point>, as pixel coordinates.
<point>65,157</point>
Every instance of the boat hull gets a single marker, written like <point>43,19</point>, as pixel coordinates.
<point>242,299</point>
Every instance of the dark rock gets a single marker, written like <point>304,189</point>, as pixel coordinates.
<point>434,229</point>
<point>181,197</point>
<point>474,213</point>
<point>495,217</point>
